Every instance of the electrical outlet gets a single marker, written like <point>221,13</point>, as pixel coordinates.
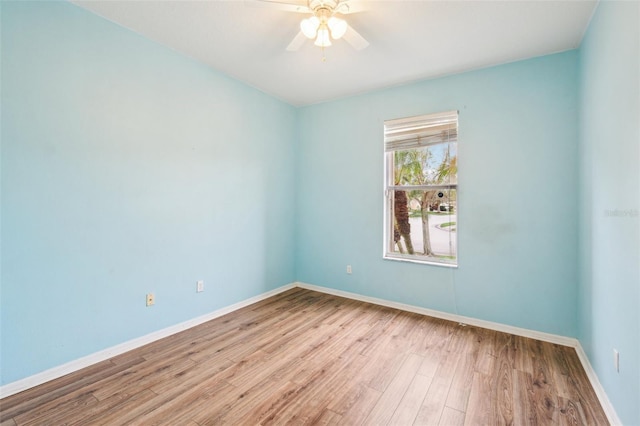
<point>200,286</point>
<point>151,299</point>
<point>348,269</point>
<point>616,360</point>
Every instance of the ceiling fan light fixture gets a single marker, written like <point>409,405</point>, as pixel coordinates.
<point>323,39</point>
<point>309,27</point>
<point>337,26</point>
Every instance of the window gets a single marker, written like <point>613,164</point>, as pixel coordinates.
<point>421,188</point>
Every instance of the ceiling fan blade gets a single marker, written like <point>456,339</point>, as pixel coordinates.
<point>346,7</point>
<point>297,42</point>
<point>279,5</point>
<point>355,39</point>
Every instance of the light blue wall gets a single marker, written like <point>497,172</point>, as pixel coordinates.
<point>610,202</point>
<point>518,198</point>
<point>127,169</point>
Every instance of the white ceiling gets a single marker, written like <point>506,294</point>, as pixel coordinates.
<point>409,40</point>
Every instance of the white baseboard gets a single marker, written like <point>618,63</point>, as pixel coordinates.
<point>545,337</point>
<point>612,416</point>
<point>538,335</point>
<point>72,366</point>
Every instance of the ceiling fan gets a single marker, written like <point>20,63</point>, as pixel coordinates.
<point>323,25</point>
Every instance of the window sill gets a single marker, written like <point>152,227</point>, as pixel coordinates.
<point>406,258</point>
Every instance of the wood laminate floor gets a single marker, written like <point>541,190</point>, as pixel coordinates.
<point>306,357</point>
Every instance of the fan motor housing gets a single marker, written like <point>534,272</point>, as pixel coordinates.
<point>317,5</point>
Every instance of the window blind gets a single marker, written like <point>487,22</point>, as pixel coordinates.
<point>420,131</point>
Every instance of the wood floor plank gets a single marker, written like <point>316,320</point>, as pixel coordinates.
<point>330,378</point>
<point>544,396</point>
<point>571,413</point>
<point>486,353</point>
<point>163,408</point>
<point>409,406</point>
<point>434,346</point>
<point>561,374</point>
<point>392,395</point>
<point>230,406</point>
<point>451,417</point>
<point>524,353</point>
<point>434,402</point>
<point>358,405</point>
<point>186,404</point>
<point>478,410</point>
<point>583,394</point>
<point>347,312</point>
<point>465,339</point>
<point>33,398</point>
<point>101,413</point>
<point>57,411</point>
<point>503,388</point>
<point>389,354</point>
<point>141,377</point>
<point>524,407</point>
<point>191,376</point>
<point>266,411</point>
<point>430,364</point>
<point>303,357</point>
<point>460,388</point>
<point>327,417</point>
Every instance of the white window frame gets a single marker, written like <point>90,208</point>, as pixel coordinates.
<point>414,133</point>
